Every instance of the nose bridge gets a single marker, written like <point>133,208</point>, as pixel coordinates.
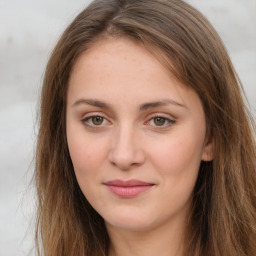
<point>126,149</point>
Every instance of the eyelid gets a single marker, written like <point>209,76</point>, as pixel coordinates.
<point>88,116</point>
<point>171,120</point>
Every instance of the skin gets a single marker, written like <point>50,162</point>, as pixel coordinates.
<point>116,79</point>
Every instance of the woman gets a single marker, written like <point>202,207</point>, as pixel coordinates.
<point>145,144</point>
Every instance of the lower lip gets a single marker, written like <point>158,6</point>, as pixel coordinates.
<point>128,191</point>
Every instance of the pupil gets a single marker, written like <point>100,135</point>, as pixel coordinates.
<point>97,120</point>
<point>159,121</point>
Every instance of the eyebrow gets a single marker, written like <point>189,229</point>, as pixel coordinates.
<point>96,103</point>
<point>161,103</point>
<point>143,107</point>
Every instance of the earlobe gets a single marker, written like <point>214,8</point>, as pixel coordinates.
<point>208,151</point>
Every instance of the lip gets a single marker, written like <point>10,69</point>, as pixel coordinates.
<point>128,188</point>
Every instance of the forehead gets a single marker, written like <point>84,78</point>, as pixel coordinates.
<point>120,68</point>
<point>109,51</point>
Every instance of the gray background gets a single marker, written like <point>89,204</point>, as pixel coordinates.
<point>28,31</point>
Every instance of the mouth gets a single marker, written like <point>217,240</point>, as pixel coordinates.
<point>129,188</point>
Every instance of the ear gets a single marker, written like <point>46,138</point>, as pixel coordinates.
<point>208,151</point>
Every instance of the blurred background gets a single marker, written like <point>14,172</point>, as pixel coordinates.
<point>29,30</point>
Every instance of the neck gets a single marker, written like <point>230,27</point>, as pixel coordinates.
<point>166,240</point>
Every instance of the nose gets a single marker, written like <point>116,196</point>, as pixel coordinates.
<point>126,148</point>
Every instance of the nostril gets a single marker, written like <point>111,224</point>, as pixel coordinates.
<point>126,159</point>
<point>122,162</point>
<point>126,150</point>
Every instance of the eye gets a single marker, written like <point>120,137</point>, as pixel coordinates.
<point>97,120</point>
<point>160,121</point>
<point>94,121</point>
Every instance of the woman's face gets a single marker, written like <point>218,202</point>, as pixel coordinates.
<point>136,136</point>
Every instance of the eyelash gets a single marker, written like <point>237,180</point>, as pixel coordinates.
<point>88,121</point>
<point>167,122</point>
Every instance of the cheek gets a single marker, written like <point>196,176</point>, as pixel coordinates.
<point>86,152</point>
<point>177,161</point>
<point>179,154</point>
<point>87,157</point>
<point>84,158</point>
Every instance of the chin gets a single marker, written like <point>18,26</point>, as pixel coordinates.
<point>131,222</point>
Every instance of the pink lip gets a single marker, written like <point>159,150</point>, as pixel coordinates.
<point>129,188</point>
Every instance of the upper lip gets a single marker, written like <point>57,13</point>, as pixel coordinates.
<point>128,183</point>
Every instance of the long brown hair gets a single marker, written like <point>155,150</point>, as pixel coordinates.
<point>223,218</point>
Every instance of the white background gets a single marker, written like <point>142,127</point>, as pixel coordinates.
<point>28,31</point>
